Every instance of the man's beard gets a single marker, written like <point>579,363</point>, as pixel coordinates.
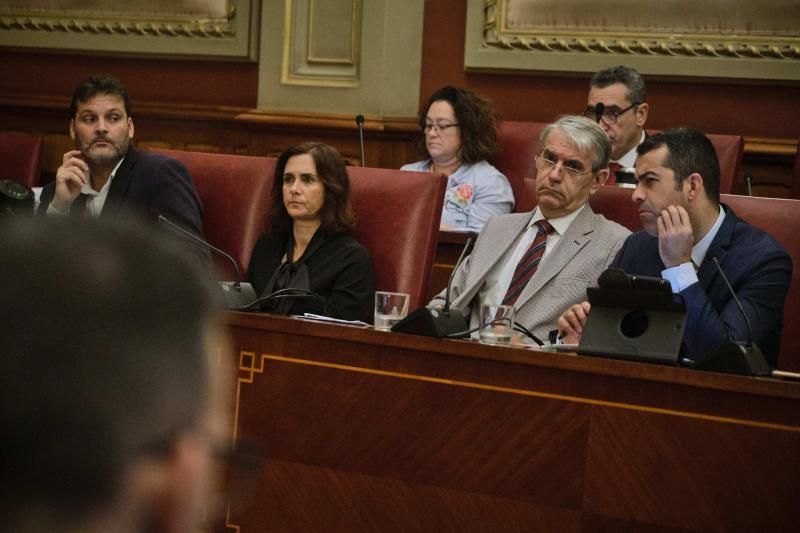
<point>106,156</point>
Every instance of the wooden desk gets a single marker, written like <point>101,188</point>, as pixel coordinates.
<point>373,431</point>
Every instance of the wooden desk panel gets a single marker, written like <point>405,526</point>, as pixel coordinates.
<point>373,431</point>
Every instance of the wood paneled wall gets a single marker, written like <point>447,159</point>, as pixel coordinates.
<point>389,143</point>
<point>209,105</point>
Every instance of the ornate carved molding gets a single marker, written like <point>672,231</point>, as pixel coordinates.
<point>211,28</point>
<point>163,24</point>
<point>206,28</point>
<point>495,35</point>
<point>507,29</point>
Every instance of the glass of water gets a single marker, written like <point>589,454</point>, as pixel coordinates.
<point>390,308</point>
<point>497,324</point>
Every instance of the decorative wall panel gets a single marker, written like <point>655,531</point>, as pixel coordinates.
<point>210,28</point>
<point>716,38</point>
<point>322,40</point>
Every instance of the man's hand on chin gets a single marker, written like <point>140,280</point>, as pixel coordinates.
<point>675,236</point>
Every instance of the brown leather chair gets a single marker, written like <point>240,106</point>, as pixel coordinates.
<point>615,204</point>
<point>398,222</point>
<point>21,156</point>
<point>235,191</point>
<point>730,149</point>
<point>527,199</point>
<point>780,218</point>
<point>518,143</point>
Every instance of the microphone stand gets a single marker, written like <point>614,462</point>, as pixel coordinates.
<point>736,357</point>
<point>360,124</point>
<point>236,294</point>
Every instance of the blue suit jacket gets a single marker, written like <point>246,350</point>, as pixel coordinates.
<point>147,185</point>
<point>759,270</point>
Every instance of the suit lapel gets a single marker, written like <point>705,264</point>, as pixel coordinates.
<point>707,272</point>
<point>120,184</point>
<point>504,234</point>
<point>576,237</point>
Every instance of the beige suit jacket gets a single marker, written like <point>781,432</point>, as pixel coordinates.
<point>584,251</point>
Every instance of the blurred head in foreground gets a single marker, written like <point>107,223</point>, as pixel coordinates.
<point>110,386</point>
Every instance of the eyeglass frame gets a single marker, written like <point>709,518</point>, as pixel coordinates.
<point>441,128</point>
<point>592,113</point>
<point>550,164</point>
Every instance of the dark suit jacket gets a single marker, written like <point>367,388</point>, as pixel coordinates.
<point>146,185</point>
<point>759,270</point>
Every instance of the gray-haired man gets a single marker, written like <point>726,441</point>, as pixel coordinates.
<point>541,262</point>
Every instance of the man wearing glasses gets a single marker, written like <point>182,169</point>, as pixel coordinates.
<point>617,102</point>
<point>541,260</point>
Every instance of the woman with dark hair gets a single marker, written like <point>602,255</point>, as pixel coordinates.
<point>308,255</point>
<point>459,136</point>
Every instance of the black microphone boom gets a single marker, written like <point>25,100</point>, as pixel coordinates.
<point>735,357</point>
<point>236,294</point>
<point>444,322</point>
<point>598,111</point>
<point>446,307</point>
<point>360,124</point>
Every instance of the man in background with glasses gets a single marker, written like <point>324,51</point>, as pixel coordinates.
<point>617,102</point>
<point>541,260</point>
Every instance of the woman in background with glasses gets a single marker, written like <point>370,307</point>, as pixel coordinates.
<point>459,136</point>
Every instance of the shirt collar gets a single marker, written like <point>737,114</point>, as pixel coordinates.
<point>628,160</point>
<point>87,188</point>
<point>700,249</point>
<point>560,224</point>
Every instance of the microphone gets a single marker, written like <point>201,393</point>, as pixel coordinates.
<point>236,294</point>
<point>280,294</point>
<point>736,357</point>
<point>598,111</point>
<point>444,322</point>
<point>446,308</point>
<point>360,124</point>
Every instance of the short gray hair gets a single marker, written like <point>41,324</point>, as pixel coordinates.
<point>585,135</point>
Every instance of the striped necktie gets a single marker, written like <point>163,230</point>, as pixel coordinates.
<point>527,266</point>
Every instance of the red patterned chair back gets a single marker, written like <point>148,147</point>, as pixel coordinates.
<point>21,157</point>
<point>235,191</point>
<point>780,218</point>
<point>518,143</point>
<point>398,222</point>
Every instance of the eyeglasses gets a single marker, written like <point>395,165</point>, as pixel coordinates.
<point>610,114</point>
<point>544,164</point>
<point>441,128</point>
